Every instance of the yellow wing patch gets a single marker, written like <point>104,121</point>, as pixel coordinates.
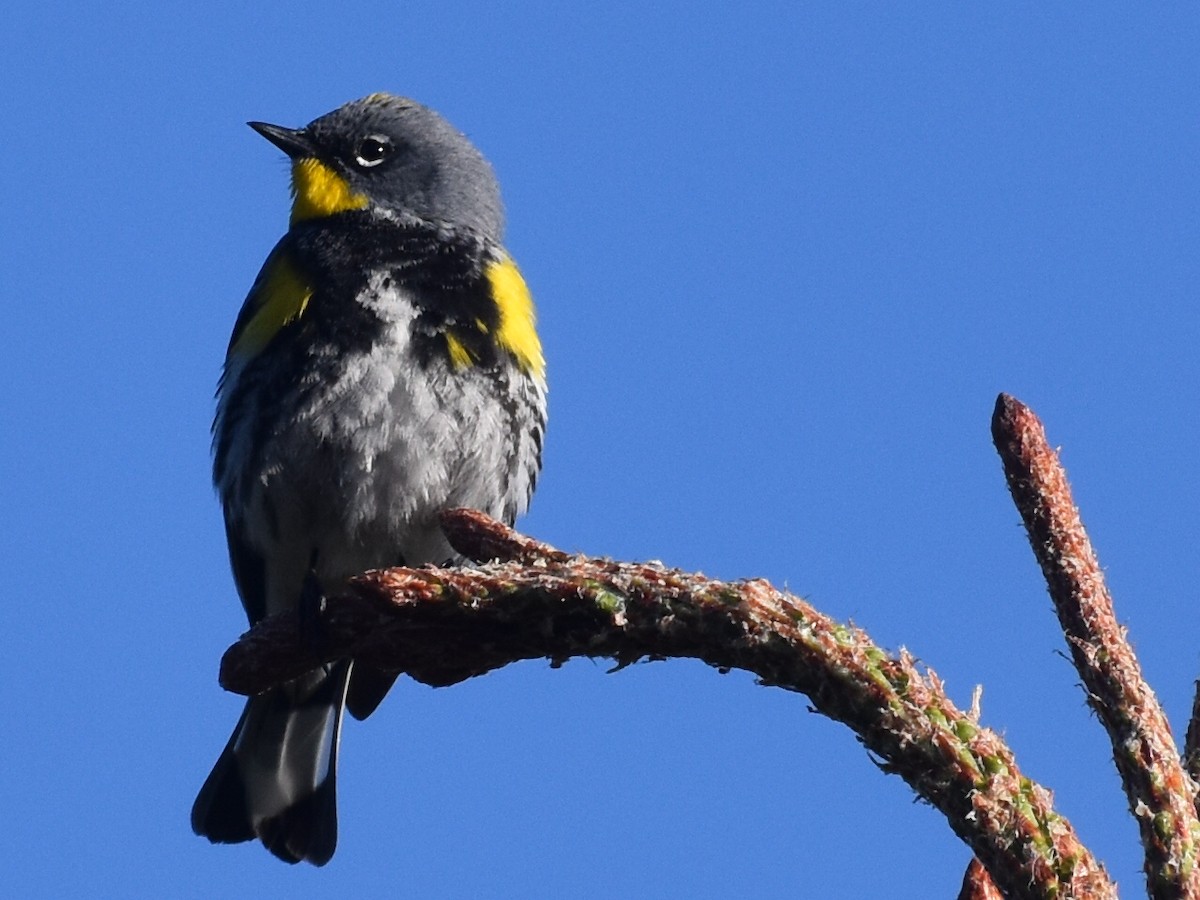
<point>318,191</point>
<point>282,299</point>
<point>517,332</point>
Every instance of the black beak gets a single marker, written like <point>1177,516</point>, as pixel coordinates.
<point>295,142</point>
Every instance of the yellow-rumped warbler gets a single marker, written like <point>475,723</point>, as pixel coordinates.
<point>384,367</point>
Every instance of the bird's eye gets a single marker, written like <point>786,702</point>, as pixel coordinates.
<point>372,151</point>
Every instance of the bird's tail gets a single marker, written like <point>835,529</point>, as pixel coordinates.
<point>276,778</point>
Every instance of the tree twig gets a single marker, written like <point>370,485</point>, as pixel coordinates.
<point>1161,795</point>
<point>442,626</point>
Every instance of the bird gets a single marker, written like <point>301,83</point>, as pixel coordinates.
<point>385,366</point>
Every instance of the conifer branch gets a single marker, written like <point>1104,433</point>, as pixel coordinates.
<point>444,625</point>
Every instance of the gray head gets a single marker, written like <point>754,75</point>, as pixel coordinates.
<point>392,153</point>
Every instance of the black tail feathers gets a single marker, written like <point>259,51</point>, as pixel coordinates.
<point>276,779</point>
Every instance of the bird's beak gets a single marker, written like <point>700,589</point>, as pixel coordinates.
<point>295,142</point>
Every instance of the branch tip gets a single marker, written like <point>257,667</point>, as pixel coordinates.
<point>1143,748</point>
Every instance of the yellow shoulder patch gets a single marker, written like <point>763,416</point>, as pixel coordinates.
<point>318,191</point>
<point>460,356</point>
<point>281,299</point>
<point>517,332</point>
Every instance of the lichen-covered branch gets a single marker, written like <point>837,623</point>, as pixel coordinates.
<point>1161,794</point>
<point>443,625</point>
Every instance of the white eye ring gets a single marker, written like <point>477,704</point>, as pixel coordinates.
<point>373,150</point>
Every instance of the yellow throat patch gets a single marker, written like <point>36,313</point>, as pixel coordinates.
<point>318,191</point>
<point>517,332</point>
<point>281,299</point>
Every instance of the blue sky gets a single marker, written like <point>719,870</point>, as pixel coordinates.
<point>785,258</point>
